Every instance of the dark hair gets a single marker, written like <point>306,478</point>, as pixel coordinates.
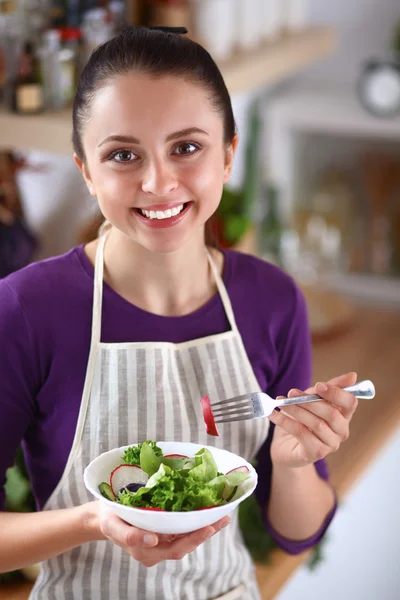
<point>153,51</point>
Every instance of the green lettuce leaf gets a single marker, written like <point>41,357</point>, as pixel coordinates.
<point>150,460</point>
<point>206,467</point>
<point>227,485</point>
<point>172,492</point>
<point>132,454</point>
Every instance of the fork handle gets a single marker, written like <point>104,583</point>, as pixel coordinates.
<point>362,389</point>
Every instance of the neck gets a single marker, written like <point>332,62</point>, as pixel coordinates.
<point>172,284</point>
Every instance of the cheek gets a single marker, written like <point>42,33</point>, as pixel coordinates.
<point>205,180</point>
<point>113,188</point>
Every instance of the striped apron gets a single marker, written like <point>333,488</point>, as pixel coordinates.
<point>139,391</point>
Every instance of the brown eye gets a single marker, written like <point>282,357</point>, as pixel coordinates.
<point>122,156</point>
<point>186,149</point>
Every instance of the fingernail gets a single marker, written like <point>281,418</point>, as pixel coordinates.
<point>150,540</point>
<point>321,387</point>
<point>209,534</point>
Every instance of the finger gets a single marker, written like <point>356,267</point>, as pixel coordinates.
<point>346,402</point>
<point>326,411</point>
<point>123,534</point>
<point>180,548</point>
<point>176,550</point>
<point>221,523</point>
<point>165,537</point>
<point>341,381</point>
<point>312,446</point>
<point>319,426</point>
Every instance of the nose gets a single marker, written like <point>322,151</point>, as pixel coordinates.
<point>159,179</point>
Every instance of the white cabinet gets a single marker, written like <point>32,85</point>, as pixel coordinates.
<point>303,128</point>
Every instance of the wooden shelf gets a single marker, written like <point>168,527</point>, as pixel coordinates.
<point>370,347</point>
<point>266,65</point>
<point>273,61</point>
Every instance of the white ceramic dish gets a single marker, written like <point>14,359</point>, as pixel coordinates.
<point>167,522</point>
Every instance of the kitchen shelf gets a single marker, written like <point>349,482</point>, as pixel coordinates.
<point>371,426</point>
<point>266,65</point>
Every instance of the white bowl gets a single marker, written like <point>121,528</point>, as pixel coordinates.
<point>167,522</point>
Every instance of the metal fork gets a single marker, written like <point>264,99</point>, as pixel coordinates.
<point>259,405</point>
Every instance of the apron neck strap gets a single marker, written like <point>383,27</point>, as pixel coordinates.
<point>98,291</point>
<point>222,292</point>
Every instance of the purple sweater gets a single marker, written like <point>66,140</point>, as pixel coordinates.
<point>45,325</point>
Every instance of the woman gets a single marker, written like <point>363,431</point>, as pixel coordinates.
<point>116,342</point>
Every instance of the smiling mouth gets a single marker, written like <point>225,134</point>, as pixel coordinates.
<point>162,214</point>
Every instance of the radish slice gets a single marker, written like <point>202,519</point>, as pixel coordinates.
<point>175,456</point>
<point>152,508</point>
<point>125,474</point>
<point>242,469</point>
<point>208,416</point>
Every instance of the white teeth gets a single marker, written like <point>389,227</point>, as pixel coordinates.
<point>160,214</point>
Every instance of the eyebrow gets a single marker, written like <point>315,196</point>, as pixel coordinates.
<point>128,139</point>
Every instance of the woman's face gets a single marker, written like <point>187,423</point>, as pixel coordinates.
<point>156,159</point>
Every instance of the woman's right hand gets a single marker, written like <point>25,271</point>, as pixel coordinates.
<point>150,548</point>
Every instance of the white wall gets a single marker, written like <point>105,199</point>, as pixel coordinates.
<point>365,27</point>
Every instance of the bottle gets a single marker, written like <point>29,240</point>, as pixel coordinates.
<point>50,68</point>
<point>28,92</point>
<point>58,13</point>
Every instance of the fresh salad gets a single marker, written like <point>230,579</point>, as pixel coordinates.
<point>149,480</point>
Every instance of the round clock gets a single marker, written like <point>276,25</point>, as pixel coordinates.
<point>379,88</point>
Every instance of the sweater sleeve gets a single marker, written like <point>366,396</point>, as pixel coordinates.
<point>294,371</point>
<point>17,380</point>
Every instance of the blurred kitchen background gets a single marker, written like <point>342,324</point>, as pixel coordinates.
<point>316,189</point>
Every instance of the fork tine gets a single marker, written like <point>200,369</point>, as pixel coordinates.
<point>238,417</point>
<point>240,404</point>
<point>235,400</point>
<point>220,412</point>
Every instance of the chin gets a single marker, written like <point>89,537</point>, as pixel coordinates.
<point>165,244</point>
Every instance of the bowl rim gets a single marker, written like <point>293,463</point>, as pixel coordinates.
<point>183,514</point>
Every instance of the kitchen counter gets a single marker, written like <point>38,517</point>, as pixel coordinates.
<point>370,347</point>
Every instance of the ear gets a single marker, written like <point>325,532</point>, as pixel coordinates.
<point>229,156</point>
<point>85,174</point>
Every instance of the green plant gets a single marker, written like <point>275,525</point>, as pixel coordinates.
<point>235,212</point>
<point>19,498</point>
<point>396,39</point>
<point>233,223</point>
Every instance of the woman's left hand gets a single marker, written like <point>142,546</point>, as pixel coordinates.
<point>305,433</point>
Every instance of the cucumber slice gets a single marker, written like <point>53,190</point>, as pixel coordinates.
<point>106,491</point>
